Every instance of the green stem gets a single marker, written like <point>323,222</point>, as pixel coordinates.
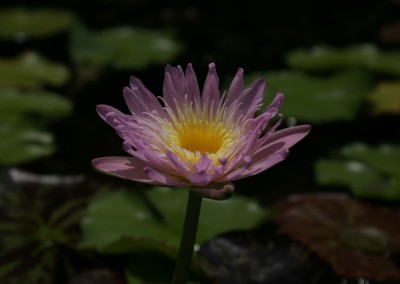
<point>188,239</point>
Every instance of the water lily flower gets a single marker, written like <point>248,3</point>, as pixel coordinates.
<point>202,140</point>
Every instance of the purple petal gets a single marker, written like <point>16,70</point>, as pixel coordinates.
<point>210,94</point>
<point>129,168</point>
<point>265,163</point>
<point>110,115</point>
<point>192,86</point>
<point>201,178</point>
<point>174,86</point>
<point>289,136</point>
<point>236,88</point>
<point>274,106</point>
<point>252,98</point>
<point>164,179</point>
<point>139,99</point>
<point>180,166</point>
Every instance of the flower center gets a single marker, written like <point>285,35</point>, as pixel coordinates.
<point>201,139</point>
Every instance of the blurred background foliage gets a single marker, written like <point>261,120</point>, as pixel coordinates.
<point>337,63</point>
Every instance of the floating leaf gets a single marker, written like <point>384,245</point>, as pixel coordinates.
<point>323,58</point>
<point>122,221</point>
<point>31,70</point>
<point>21,117</point>
<point>122,47</point>
<point>19,23</point>
<point>21,145</point>
<point>368,172</point>
<point>385,98</point>
<point>260,257</point>
<point>316,99</point>
<point>357,239</point>
<point>16,104</point>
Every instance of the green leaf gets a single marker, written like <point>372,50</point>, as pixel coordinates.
<point>16,103</point>
<point>385,98</point>
<point>367,171</point>
<point>315,99</point>
<point>21,145</point>
<point>19,23</point>
<point>324,58</point>
<point>21,113</point>
<point>123,221</point>
<point>31,70</point>
<point>122,47</point>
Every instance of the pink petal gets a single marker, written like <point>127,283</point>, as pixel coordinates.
<point>124,167</point>
<point>236,88</point>
<point>110,115</point>
<point>139,99</point>
<point>174,86</point>
<point>289,136</point>
<point>265,163</point>
<point>164,179</point>
<point>210,95</point>
<point>192,86</point>
<point>252,98</point>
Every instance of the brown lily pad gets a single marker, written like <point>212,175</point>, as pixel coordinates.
<point>357,239</point>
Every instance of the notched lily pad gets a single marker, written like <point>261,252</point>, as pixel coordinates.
<point>323,58</point>
<point>358,240</point>
<point>316,99</point>
<point>259,257</point>
<point>368,171</point>
<point>385,98</point>
<point>122,47</point>
<point>19,23</point>
<point>123,221</point>
<point>31,70</point>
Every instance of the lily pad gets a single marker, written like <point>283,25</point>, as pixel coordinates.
<point>385,98</point>
<point>123,221</point>
<point>31,70</point>
<point>358,240</point>
<point>368,171</point>
<point>20,23</point>
<point>122,47</point>
<point>324,58</point>
<point>17,105</point>
<point>315,99</point>
<point>259,257</point>
<point>21,123</point>
<point>21,145</point>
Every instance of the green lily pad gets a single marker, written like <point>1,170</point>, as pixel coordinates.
<point>16,104</point>
<point>385,98</point>
<point>122,47</point>
<point>367,171</point>
<point>21,145</point>
<point>315,99</point>
<point>31,70</point>
<point>324,58</point>
<point>21,123</point>
<point>19,23</point>
<point>123,221</point>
